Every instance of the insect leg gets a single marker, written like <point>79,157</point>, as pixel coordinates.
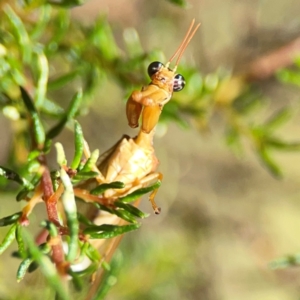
<point>156,209</point>
<point>89,198</point>
<point>145,182</point>
<point>133,112</point>
<point>150,117</point>
<point>151,99</point>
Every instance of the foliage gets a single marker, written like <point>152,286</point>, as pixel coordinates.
<point>43,51</point>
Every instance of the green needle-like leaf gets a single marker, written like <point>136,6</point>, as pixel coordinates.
<point>11,175</point>
<point>279,119</point>
<point>100,189</point>
<point>50,227</point>
<point>85,175</point>
<point>32,267</point>
<point>43,18</point>
<point>24,265</point>
<point>68,200</point>
<point>10,219</point>
<point>79,145</point>
<point>180,3</point>
<point>282,145</point>
<point>62,80</point>
<point>43,73</point>
<point>67,3</point>
<point>131,209</point>
<point>125,215</point>
<point>20,32</point>
<point>70,114</point>
<point>269,162</point>
<point>8,239</point>
<point>91,252</point>
<point>24,192</point>
<point>83,219</point>
<point>121,213</point>
<point>77,281</point>
<point>61,157</point>
<point>140,192</point>
<point>285,262</point>
<point>38,129</point>
<point>20,241</point>
<point>52,109</point>
<point>91,162</point>
<point>107,231</point>
<point>110,277</point>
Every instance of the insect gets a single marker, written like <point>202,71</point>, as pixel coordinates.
<point>133,160</point>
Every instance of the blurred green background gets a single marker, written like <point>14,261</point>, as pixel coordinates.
<point>224,218</point>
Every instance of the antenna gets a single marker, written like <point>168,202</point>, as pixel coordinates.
<point>183,44</point>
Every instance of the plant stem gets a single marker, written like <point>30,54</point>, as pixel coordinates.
<point>266,65</point>
<point>51,199</point>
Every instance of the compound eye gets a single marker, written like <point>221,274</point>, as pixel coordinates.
<point>179,83</point>
<point>154,67</point>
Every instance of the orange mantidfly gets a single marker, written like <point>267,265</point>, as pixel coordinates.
<point>133,160</point>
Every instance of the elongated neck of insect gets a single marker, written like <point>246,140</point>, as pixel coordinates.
<point>145,139</point>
